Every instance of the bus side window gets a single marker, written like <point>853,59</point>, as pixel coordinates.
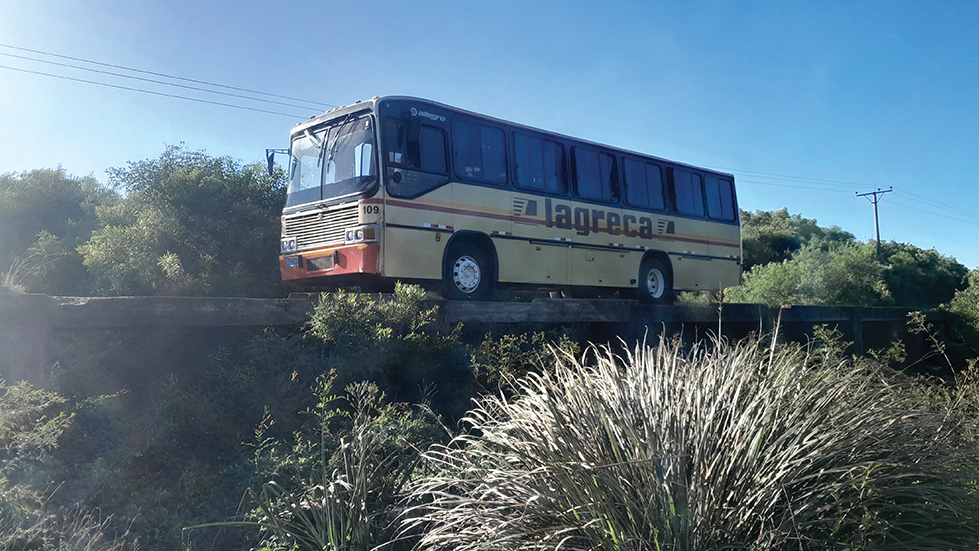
<point>720,198</point>
<point>686,193</point>
<point>595,175</point>
<point>643,184</point>
<point>396,142</point>
<point>415,146</point>
<point>479,152</point>
<point>540,164</point>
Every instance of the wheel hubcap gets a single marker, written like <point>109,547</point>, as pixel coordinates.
<point>655,283</point>
<point>466,274</point>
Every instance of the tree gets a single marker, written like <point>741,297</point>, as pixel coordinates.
<point>921,278</point>
<point>791,259</point>
<point>965,307</point>
<point>772,236</point>
<point>844,275</point>
<point>189,224</point>
<point>44,215</point>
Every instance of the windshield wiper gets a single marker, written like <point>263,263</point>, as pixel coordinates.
<point>336,139</point>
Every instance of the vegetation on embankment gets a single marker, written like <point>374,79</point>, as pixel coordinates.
<point>324,440</point>
<point>159,431</point>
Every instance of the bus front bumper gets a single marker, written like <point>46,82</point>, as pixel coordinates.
<point>352,259</point>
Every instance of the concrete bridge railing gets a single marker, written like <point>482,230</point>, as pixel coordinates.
<point>29,322</point>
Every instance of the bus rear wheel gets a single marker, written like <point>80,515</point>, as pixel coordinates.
<point>467,273</point>
<point>655,283</point>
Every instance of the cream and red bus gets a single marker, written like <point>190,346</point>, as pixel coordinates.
<point>399,188</point>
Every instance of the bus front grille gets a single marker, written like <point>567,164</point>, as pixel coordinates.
<point>320,228</point>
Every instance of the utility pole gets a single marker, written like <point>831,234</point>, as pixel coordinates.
<point>876,198</point>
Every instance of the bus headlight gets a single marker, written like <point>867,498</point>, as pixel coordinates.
<point>288,245</point>
<point>361,234</point>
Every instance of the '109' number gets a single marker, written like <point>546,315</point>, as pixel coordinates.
<point>372,209</point>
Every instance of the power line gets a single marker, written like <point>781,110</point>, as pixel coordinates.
<point>750,182</point>
<point>156,81</point>
<point>152,92</point>
<point>164,75</point>
<point>961,215</point>
<point>923,199</point>
<point>791,178</point>
<point>974,221</point>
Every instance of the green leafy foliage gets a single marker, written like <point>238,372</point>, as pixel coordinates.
<point>772,236</point>
<point>964,307</point>
<point>32,422</point>
<point>30,418</point>
<point>189,224</point>
<point>920,278</point>
<point>346,319</point>
<point>407,351</point>
<point>846,275</point>
<point>791,260</point>
<point>498,361</point>
<point>337,485</point>
<point>44,215</point>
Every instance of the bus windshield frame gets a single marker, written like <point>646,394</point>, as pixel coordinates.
<point>333,161</point>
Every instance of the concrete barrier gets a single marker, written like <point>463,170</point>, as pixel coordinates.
<point>29,322</point>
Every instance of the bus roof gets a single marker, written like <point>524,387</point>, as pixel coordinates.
<point>372,105</point>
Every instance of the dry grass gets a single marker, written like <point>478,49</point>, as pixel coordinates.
<point>719,447</point>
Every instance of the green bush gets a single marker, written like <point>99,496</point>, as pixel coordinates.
<point>32,421</point>
<point>44,215</point>
<point>730,447</point>
<point>189,224</point>
<point>499,361</point>
<point>355,320</point>
<point>845,275</point>
<point>336,486</point>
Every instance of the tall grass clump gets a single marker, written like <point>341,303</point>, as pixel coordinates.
<point>719,446</point>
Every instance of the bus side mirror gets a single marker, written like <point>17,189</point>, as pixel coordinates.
<point>270,158</point>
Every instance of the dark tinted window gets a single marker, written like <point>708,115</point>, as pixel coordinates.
<point>540,164</point>
<point>720,198</point>
<point>643,184</point>
<point>479,152</point>
<point>426,152</point>
<point>594,175</point>
<point>686,193</point>
<point>432,144</point>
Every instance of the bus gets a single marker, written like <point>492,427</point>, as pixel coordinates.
<point>401,188</point>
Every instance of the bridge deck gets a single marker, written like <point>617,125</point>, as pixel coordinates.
<point>129,312</point>
<point>29,322</point>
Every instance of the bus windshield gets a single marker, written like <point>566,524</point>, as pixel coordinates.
<point>332,161</point>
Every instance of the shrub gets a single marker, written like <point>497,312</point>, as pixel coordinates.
<point>498,360</point>
<point>335,486</point>
<point>735,447</point>
<point>355,320</point>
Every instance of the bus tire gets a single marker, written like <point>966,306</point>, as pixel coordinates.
<point>655,282</point>
<point>467,273</point>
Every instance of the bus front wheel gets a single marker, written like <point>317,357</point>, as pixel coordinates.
<point>467,274</point>
<point>655,282</point>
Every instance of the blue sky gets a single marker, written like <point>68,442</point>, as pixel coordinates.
<point>806,103</point>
